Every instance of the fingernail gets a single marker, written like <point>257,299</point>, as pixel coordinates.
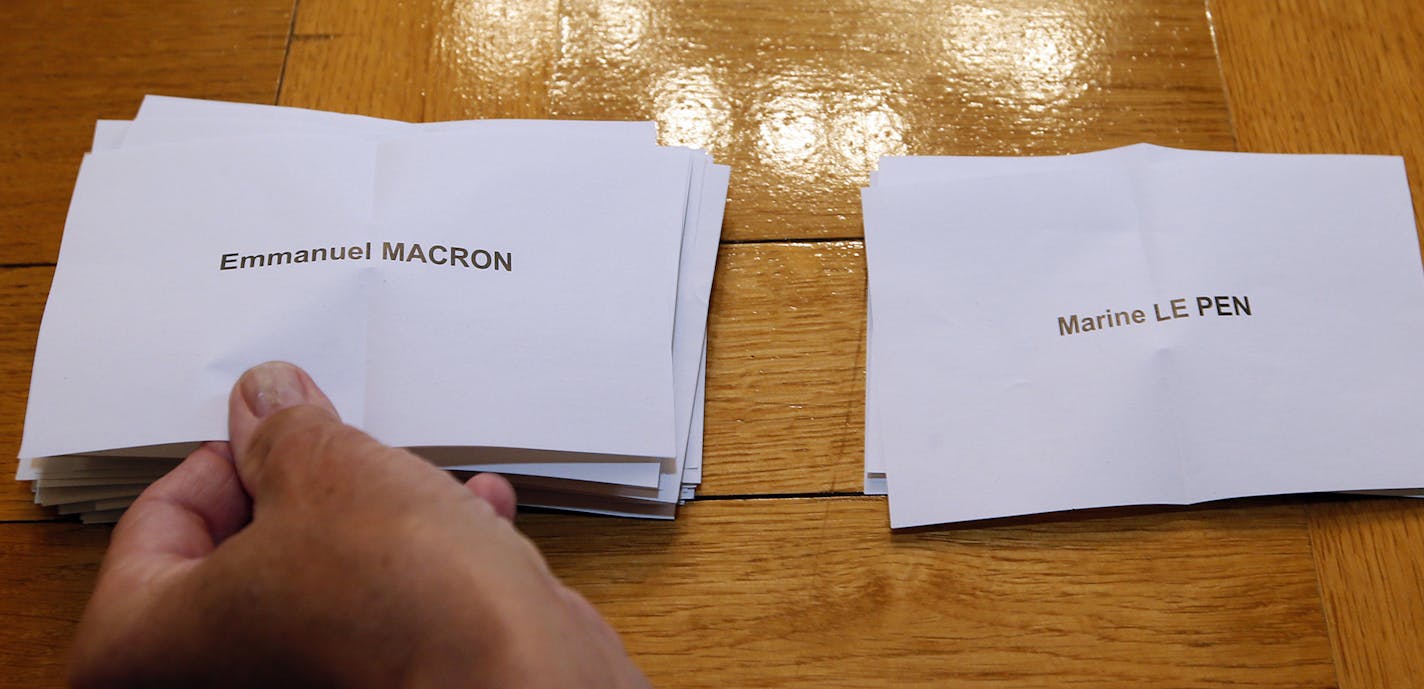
<point>271,387</point>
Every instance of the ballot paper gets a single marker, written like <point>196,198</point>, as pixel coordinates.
<point>1139,326</point>
<point>527,297</point>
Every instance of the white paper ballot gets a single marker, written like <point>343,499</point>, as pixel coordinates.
<point>518,296</point>
<point>164,120</point>
<point>447,352</point>
<point>1145,328</point>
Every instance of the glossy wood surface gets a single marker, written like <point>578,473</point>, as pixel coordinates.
<point>753,586</point>
<point>799,97</point>
<point>65,64</point>
<point>22,297</point>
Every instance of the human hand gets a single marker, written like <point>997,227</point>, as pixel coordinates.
<point>306,552</point>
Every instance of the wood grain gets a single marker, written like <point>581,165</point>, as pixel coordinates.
<point>800,98</point>
<point>64,65</point>
<point>785,409</point>
<point>22,299</point>
<point>1312,77</point>
<point>1370,557</point>
<point>817,593</point>
<point>46,572</point>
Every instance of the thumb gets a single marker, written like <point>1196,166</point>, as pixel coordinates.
<point>264,390</point>
<point>258,396</point>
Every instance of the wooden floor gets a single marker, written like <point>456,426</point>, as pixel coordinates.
<point>782,574</point>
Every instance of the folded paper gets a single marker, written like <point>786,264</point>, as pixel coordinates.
<point>1139,326</point>
<point>516,295</point>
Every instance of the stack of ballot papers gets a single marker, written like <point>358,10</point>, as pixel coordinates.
<point>1139,326</point>
<point>526,297</point>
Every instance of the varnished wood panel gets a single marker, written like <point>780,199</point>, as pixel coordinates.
<point>1370,556</point>
<point>1312,77</point>
<point>817,593</point>
<point>65,64</point>
<point>800,98</point>
<point>22,298</point>
<point>46,573</point>
<point>423,60</point>
<point>785,410</point>
<point>1348,77</point>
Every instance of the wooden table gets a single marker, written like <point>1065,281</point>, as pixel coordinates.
<point>782,573</point>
